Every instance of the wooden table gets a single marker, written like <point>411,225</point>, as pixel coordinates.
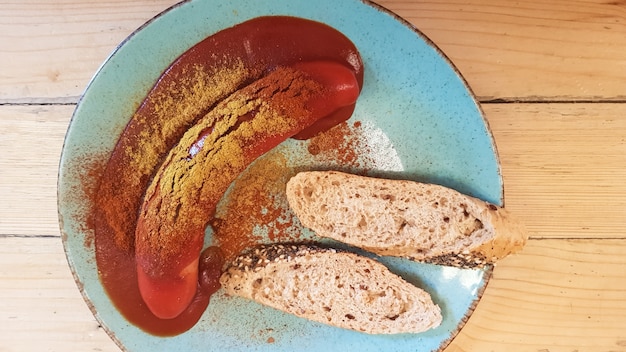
<point>551,77</point>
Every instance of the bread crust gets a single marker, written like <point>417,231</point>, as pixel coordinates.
<point>331,286</point>
<point>423,222</point>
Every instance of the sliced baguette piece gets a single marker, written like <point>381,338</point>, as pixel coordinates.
<point>331,286</point>
<point>423,222</point>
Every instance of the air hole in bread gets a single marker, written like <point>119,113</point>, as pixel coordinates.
<point>362,223</point>
<point>350,316</point>
<point>389,197</point>
<point>478,225</point>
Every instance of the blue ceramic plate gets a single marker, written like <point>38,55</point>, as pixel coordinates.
<point>422,123</point>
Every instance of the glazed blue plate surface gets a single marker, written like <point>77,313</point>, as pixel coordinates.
<point>423,123</point>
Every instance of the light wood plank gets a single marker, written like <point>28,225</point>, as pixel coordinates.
<point>529,50</point>
<point>556,295</point>
<point>30,143</point>
<point>42,309</point>
<point>51,49</point>
<point>563,166</point>
<point>534,50</point>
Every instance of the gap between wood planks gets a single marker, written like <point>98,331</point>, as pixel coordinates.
<point>529,101</point>
<point>10,235</point>
<point>68,101</point>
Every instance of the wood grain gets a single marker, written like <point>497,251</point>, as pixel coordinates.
<point>51,49</point>
<point>556,295</point>
<point>30,145</point>
<point>530,51</point>
<point>563,166</point>
<point>42,309</point>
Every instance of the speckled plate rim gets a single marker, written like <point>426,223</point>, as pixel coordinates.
<point>485,273</point>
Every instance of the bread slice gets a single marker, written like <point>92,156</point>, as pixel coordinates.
<point>423,222</point>
<point>330,286</point>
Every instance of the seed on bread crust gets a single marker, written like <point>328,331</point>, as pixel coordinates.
<point>460,260</point>
<point>263,255</point>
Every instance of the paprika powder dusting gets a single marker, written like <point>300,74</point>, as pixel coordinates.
<point>256,202</point>
<point>255,209</point>
<point>340,145</point>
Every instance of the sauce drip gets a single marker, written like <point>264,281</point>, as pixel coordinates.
<point>211,262</point>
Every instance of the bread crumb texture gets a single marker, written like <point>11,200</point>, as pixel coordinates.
<point>423,222</point>
<point>333,287</point>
